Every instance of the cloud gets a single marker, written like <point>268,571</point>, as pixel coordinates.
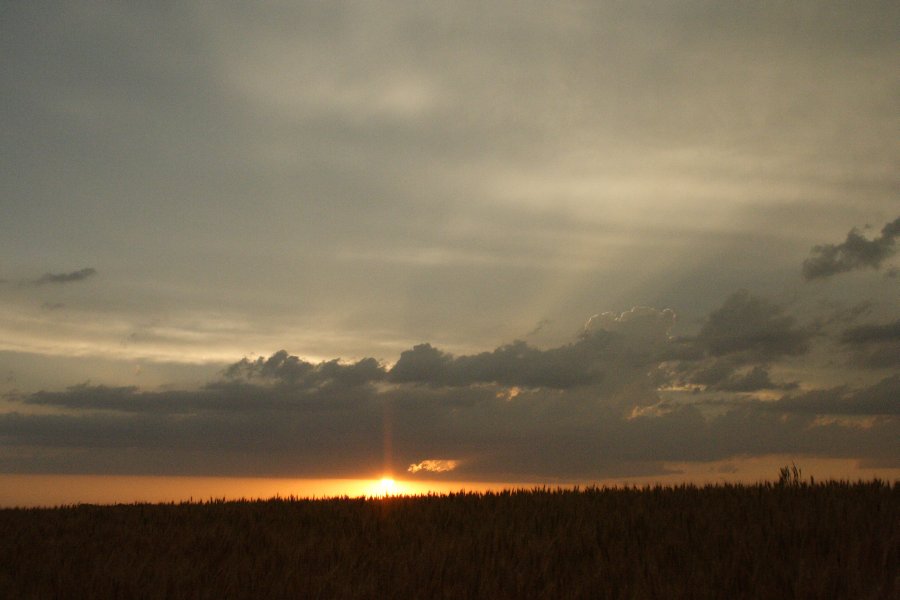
<point>433,466</point>
<point>285,369</point>
<point>539,327</point>
<point>79,275</point>
<point>879,399</point>
<point>753,328</point>
<point>727,375</point>
<point>609,346</point>
<point>281,415</point>
<point>590,408</point>
<point>856,252</point>
<point>538,434</point>
<point>867,334</point>
<point>874,346</point>
<point>755,379</point>
<point>736,346</point>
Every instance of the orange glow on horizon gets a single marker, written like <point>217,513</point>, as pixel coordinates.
<point>55,490</point>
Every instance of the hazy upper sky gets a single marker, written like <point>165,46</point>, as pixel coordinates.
<point>570,239</point>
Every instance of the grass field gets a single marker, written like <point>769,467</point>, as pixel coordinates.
<point>795,540</point>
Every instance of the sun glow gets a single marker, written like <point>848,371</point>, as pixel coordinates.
<point>387,487</point>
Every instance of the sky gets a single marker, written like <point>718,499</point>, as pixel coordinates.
<point>505,241</point>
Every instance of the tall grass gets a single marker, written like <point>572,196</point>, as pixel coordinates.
<point>830,540</point>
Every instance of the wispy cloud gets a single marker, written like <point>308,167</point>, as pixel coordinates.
<point>59,278</point>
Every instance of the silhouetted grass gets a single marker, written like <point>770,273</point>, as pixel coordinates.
<point>830,540</point>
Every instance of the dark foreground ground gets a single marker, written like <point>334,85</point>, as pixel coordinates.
<point>833,540</point>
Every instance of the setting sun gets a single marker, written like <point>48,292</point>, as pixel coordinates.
<point>386,486</point>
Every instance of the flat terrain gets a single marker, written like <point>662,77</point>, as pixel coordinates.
<point>829,540</point>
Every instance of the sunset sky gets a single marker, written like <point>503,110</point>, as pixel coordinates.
<point>507,241</point>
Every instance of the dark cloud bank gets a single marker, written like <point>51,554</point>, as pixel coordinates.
<point>592,408</point>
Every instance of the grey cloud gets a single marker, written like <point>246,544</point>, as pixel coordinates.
<point>282,416</point>
<point>286,369</point>
<point>736,345</point>
<point>873,346</point>
<point>536,434</point>
<point>844,315</point>
<point>79,275</point>
<point>610,344</point>
<point>711,374</point>
<point>856,252</point>
<point>867,334</point>
<point>753,380</point>
<point>728,376</point>
<point>227,396</point>
<point>752,327</point>
<point>513,413</point>
<point>539,327</point>
<point>129,399</point>
<point>883,398</point>
<point>512,364</point>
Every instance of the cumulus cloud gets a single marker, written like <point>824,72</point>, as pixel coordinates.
<point>58,278</point>
<point>285,369</point>
<point>610,345</point>
<point>856,252</point>
<point>433,466</point>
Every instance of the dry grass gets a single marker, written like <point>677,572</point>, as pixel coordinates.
<point>830,540</point>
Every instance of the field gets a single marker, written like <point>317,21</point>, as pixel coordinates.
<point>828,540</point>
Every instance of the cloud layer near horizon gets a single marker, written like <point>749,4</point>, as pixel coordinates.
<point>596,407</point>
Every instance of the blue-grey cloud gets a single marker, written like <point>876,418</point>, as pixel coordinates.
<point>856,252</point>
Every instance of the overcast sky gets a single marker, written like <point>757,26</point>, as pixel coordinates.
<point>545,240</point>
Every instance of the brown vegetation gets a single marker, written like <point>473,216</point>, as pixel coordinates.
<point>787,540</point>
